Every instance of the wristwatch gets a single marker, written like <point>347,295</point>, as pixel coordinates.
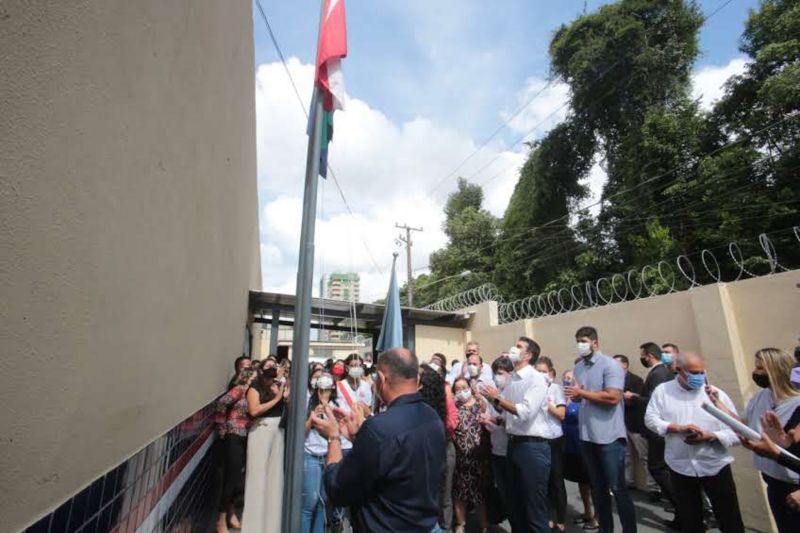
<point>332,439</point>
<point>496,402</point>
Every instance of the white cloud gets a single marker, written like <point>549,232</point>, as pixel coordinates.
<point>546,108</point>
<point>708,83</point>
<point>389,173</point>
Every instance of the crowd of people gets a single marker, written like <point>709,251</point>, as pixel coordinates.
<point>404,445</point>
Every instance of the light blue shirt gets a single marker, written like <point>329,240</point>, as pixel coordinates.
<point>600,423</point>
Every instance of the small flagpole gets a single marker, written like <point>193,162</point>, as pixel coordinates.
<point>291,521</point>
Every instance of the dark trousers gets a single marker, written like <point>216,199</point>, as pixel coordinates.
<point>719,488</point>
<point>530,474</point>
<point>605,464</point>
<point>446,492</point>
<point>786,518</point>
<point>234,457</point>
<point>658,468</point>
<point>501,468</point>
<point>556,490</point>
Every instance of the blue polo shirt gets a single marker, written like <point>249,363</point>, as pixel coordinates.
<point>391,477</point>
<point>600,423</point>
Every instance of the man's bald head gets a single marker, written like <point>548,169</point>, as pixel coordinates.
<point>399,364</point>
<point>692,362</point>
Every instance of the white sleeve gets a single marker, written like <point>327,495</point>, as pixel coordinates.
<point>455,370</point>
<point>558,395</point>
<point>532,402</point>
<point>652,417</point>
<point>726,436</point>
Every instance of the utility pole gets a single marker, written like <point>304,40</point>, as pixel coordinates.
<point>407,241</point>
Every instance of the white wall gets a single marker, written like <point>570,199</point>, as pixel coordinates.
<point>128,230</point>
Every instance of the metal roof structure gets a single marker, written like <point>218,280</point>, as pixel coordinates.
<point>336,315</point>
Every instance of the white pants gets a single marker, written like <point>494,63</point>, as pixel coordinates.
<point>263,490</point>
<point>637,446</point>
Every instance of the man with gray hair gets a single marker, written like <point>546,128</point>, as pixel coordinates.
<point>391,477</point>
<point>696,447</point>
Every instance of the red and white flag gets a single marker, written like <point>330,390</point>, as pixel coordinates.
<point>332,48</point>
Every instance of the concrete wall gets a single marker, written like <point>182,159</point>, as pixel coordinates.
<point>434,339</point>
<point>128,229</point>
<point>727,323</point>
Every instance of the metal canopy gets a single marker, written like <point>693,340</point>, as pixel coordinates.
<point>335,314</point>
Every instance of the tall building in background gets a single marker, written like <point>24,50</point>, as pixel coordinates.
<point>344,286</point>
<point>341,286</point>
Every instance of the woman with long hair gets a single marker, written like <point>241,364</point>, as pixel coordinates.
<point>472,457</point>
<point>435,391</point>
<point>574,468</point>
<point>494,421</point>
<point>233,407</point>
<point>556,411</point>
<point>263,493</point>
<point>315,451</point>
<point>772,374</point>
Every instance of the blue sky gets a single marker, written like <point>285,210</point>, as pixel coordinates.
<point>427,81</point>
<point>412,58</point>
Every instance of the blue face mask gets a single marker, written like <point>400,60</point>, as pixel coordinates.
<point>696,381</point>
<point>666,358</point>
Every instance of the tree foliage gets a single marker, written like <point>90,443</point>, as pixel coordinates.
<point>471,236</point>
<point>680,179</point>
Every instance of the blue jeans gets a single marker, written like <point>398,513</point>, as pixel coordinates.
<point>605,464</point>
<point>529,463</point>
<point>313,498</point>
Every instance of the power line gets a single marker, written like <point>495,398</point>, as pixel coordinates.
<point>716,10</point>
<point>305,112</point>
<point>494,134</point>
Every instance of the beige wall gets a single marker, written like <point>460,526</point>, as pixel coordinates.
<point>726,323</point>
<point>434,339</point>
<point>128,230</point>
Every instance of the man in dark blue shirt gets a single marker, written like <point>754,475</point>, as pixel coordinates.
<point>391,477</point>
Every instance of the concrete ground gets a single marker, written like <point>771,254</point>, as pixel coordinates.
<point>650,516</point>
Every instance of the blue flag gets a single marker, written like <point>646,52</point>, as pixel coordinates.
<point>392,325</point>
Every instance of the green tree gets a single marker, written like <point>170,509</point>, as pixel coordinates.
<point>533,248</point>
<point>628,66</point>
<point>471,235</point>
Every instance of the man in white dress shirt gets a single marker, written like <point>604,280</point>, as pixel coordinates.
<point>474,369</point>
<point>696,447</point>
<point>528,448</point>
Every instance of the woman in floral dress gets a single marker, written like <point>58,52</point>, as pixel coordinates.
<point>472,457</point>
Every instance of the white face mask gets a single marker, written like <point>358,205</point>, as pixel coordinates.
<point>473,370</point>
<point>314,382</point>
<point>355,372</point>
<point>463,395</point>
<point>500,381</point>
<point>325,382</point>
<point>514,354</point>
<point>547,377</point>
<point>584,349</point>
<point>435,367</point>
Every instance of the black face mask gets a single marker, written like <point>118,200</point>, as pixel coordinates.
<point>797,354</point>
<point>762,380</point>
<point>645,362</point>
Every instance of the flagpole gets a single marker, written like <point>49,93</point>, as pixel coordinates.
<point>291,520</point>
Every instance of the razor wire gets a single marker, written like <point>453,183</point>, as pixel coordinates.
<point>726,263</point>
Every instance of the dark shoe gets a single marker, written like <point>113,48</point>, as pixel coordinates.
<point>581,519</point>
<point>673,524</point>
<point>591,526</point>
<point>655,496</point>
<point>669,508</point>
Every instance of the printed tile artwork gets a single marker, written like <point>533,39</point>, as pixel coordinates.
<point>166,486</point>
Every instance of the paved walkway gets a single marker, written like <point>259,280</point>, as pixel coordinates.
<point>650,517</point>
